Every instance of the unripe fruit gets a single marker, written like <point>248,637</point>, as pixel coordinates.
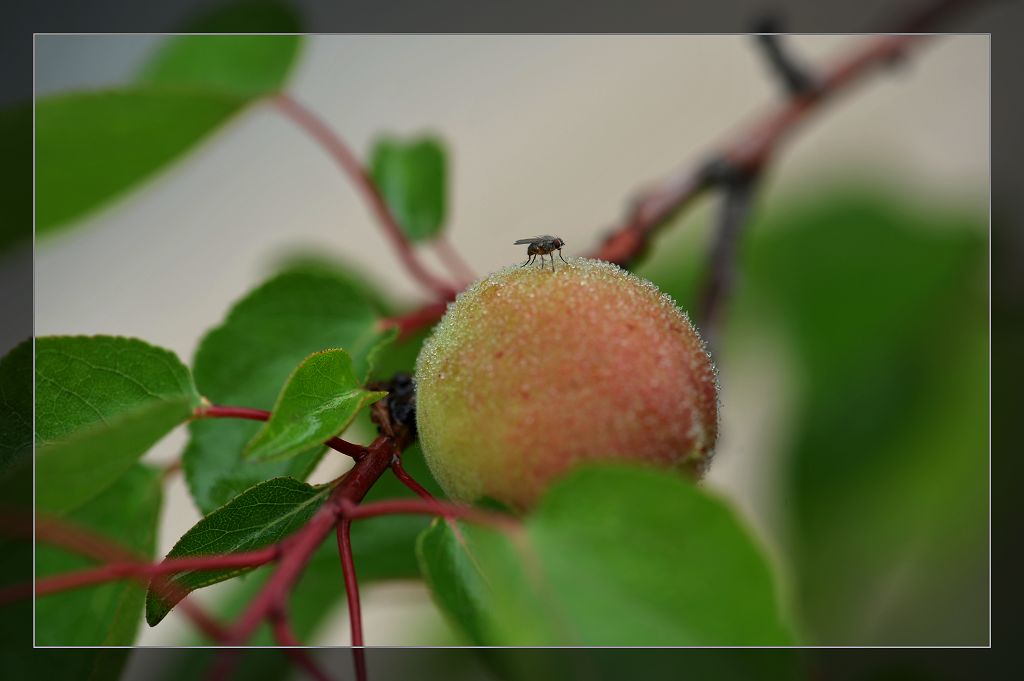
<point>532,372</point>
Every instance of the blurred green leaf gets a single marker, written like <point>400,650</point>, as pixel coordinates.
<point>101,403</point>
<point>245,65</point>
<point>15,405</point>
<point>258,517</point>
<point>105,614</point>
<point>319,401</point>
<point>614,664</point>
<point>15,182</point>
<point>20,659</point>
<point>248,16</point>
<point>614,555</point>
<point>246,360</point>
<point>92,146</point>
<point>412,176</point>
<point>889,464</point>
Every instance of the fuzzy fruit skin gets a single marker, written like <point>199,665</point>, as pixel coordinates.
<point>532,372</point>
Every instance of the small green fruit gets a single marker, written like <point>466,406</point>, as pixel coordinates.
<point>532,372</point>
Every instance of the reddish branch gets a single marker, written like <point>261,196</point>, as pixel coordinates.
<point>430,507</point>
<point>355,612</point>
<point>284,637</point>
<point>111,572</point>
<point>81,540</point>
<point>737,198</point>
<point>748,154</point>
<point>292,554</point>
<point>351,489</point>
<point>362,181</point>
<point>214,411</point>
<point>408,480</point>
<point>420,318</point>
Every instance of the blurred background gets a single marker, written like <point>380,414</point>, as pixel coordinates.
<point>854,363</point>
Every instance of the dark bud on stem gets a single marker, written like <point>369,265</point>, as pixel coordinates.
<point>397,411</point>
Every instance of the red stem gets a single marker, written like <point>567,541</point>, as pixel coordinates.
<point>301,657</point>
<point>284,637</point>
<point>282,632</point>
<point>348,571</point>
<point>214,411</point>
<point>210,627</point>
<point>411,322</point>
<point>408,481</point>
<point>352,488</point>
<point>78,539</point>
<point>351,165</point>
<point>115,571</point>
<point>430,507</point>
<point>355,612</point>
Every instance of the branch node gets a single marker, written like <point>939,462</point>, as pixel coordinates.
<point>721,171</point>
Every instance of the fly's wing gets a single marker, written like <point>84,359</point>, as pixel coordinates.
<point>526,241</point>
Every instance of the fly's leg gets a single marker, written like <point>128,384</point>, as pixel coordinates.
<point>529,260</point>
<point>560,257</point>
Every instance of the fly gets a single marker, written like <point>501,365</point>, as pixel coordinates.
<point>543,245</point>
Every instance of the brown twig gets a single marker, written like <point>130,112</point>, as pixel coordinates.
<point>792,75</point>
<point>350,164</point>
<point>432,507</point>
<point>749,152</point>
<point>721,275</point>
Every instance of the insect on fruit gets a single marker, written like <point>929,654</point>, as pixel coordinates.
<point>543,245</point>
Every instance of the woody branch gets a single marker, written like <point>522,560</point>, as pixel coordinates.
<point>749,151</point>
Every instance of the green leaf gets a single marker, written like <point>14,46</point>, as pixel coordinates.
<point>105,614</point>
<point>248,16</point>
<point>247,359</point>
<point>15,405</point>
<point>412,176</point>
<point>15,182</point>
<point>614,555</point>
<point>259,517</point>
<point>93,146</point>
<point>321,398</point>
<point>101,403</point>
<point>17,553</point>
<point>247,65</point>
